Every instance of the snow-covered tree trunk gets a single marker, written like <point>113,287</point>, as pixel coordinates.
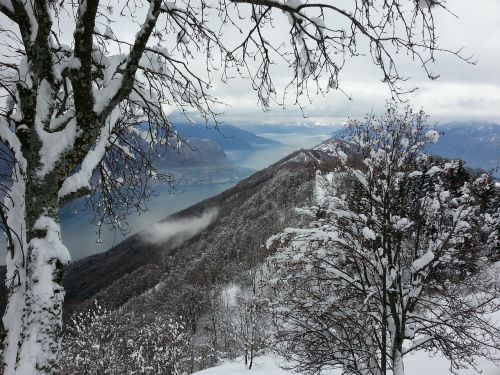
<point>16,272</point>
<point>36,265</point>
<point>42,313</point>
<point>57,147</point>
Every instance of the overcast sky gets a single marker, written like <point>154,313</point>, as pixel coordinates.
<point>462,92</point>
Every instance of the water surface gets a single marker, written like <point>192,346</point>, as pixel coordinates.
<point>262,158</point>
<point>80,235</point>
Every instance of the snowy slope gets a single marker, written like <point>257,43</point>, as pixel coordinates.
<point>265,365</point>
<point>418,364</point>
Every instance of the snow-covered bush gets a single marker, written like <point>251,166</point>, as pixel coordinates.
<point>89,343</point>
<point>100,342</point>
<point>394,260</point>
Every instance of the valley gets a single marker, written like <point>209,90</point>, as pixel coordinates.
<point>198,175</point>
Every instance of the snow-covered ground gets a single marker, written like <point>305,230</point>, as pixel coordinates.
<point>265,365</point>
<point>418,364</point>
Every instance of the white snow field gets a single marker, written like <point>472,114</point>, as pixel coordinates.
<point>418,364</point>
<point>265,365</point>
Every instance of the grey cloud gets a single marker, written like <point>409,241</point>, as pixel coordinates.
<point>462,91</point>
<point>178,231</point>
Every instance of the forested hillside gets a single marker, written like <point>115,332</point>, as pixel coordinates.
<point>248,214</point>
<point>152,279</point>
<point>202,278</point>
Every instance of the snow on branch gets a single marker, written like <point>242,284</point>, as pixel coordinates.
<point>9,137</point>
<point>81,179</point>
<point>319,48</point>
<point>390,261</point>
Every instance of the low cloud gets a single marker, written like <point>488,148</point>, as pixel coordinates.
<point>178,231</point>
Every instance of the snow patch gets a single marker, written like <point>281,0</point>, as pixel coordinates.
<point>435,169</point>
<point>415,174</point>
<point>81,179</point>
<point>369,234</point>
<point>294,3</point>
<point>54,144</point>
<point>324,187</point>
<point>415,364</point>
<point>423,261</point>
<point>230,294</point>
<point>402,224</point>
<point>264,365</point>
<point>54,248</point>
<point>432,136</point>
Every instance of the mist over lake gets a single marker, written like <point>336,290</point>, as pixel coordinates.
<point>263,158</point>
<point>80,235</point>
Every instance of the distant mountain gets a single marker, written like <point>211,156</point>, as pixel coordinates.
<point>477,143</point>
<point>228,137</point>
<point>303,129</point>
<point>196,162</point>
<point>195,152</point>
<point>200,162</point>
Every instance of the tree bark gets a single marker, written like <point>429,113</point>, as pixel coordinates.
<point>397,362</point>
<point>33,344</point>
<point>16,272</point>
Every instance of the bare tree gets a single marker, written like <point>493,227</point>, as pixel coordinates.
<point>244,323</point>
<point>395,259</point>
<point>75,89</point>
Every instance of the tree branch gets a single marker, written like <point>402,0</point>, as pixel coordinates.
<point>7,9</point>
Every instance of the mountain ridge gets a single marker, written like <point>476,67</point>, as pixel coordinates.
<point>228,137</point>
<point>475,142</point>
<point>145,272</point>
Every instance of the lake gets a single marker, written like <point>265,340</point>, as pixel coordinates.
<point>80,235</point>
<point>260,159</point>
